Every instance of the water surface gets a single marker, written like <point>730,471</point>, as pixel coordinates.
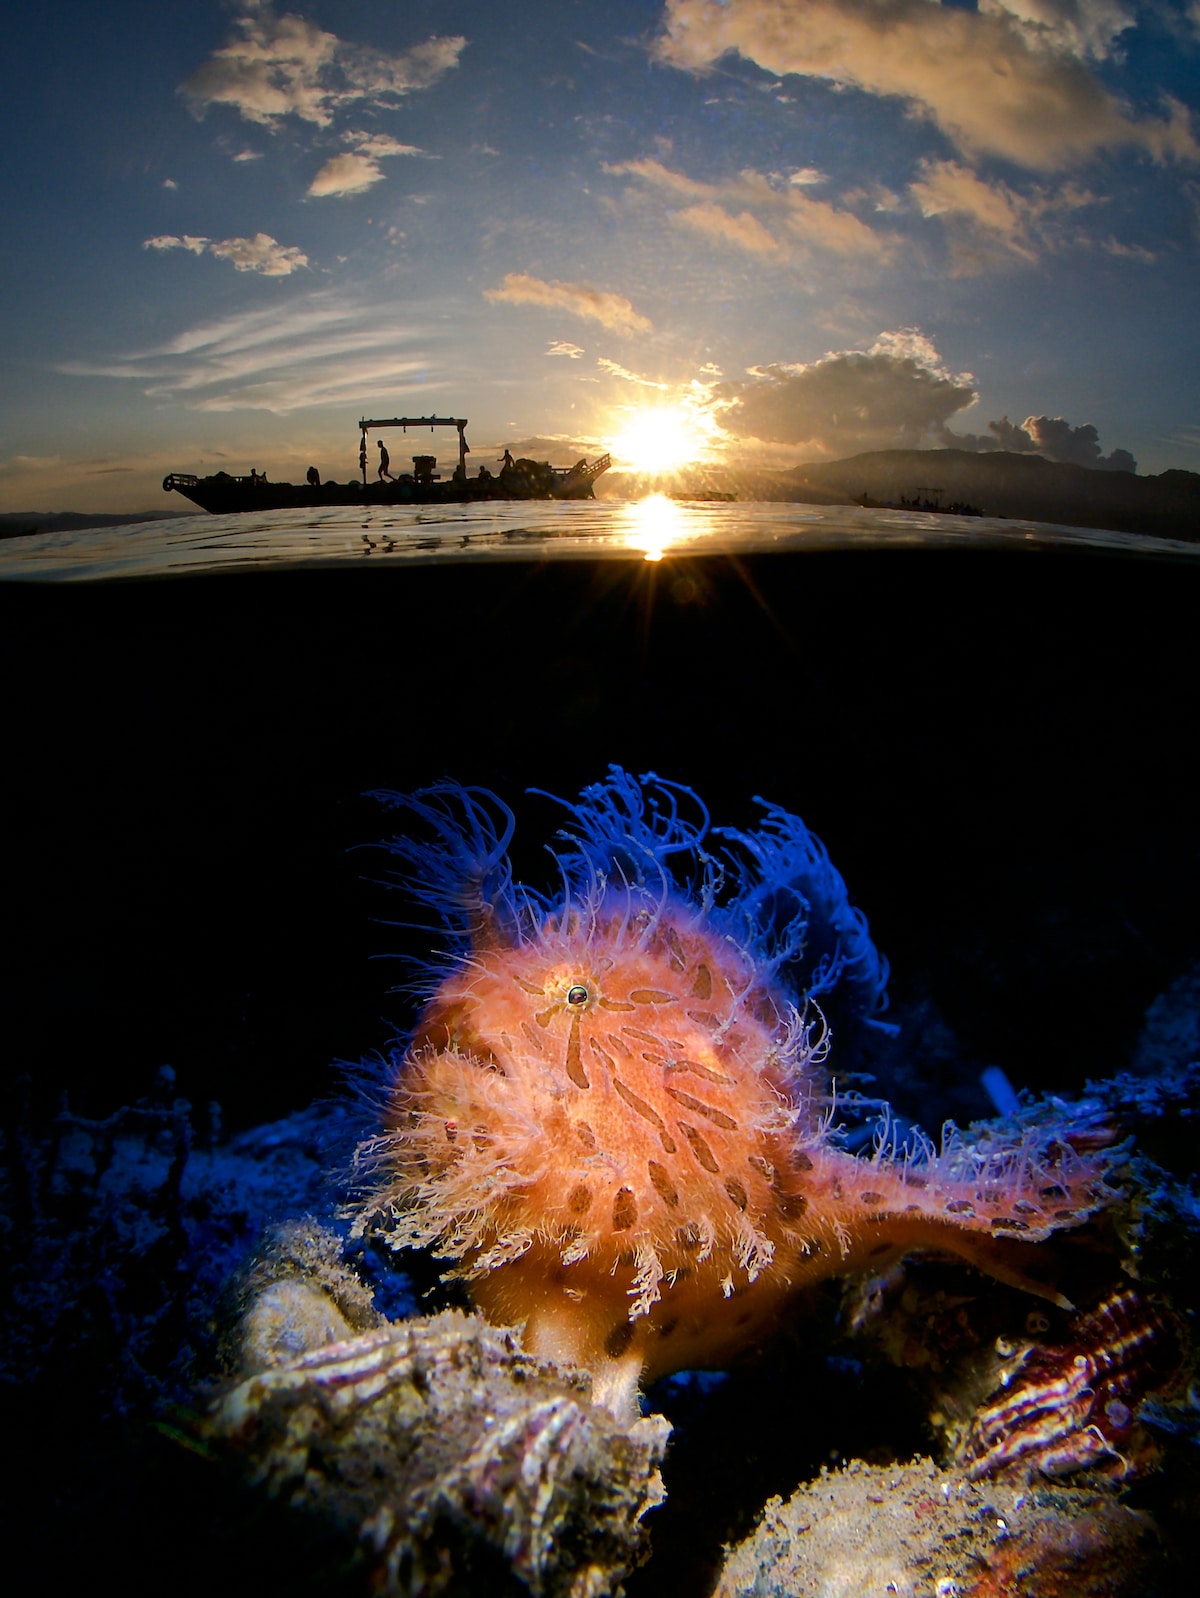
<point>591,530</point>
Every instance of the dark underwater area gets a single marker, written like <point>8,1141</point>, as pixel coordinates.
<point>997,750</point>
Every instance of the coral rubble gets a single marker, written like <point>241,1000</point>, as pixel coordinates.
<point>455,1461</point>
<point>919,1532</point>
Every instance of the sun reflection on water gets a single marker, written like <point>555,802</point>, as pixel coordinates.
<point>656,523</point>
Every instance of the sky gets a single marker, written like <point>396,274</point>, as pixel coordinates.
<point>753,231</point>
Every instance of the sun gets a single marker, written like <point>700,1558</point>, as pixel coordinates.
<point>659,439</point>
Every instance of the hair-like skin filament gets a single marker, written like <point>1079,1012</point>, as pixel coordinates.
<point>613,1117</point>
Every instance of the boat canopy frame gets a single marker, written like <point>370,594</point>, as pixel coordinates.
<point>464,449</point>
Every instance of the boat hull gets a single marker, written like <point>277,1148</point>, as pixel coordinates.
<point>223,495</point>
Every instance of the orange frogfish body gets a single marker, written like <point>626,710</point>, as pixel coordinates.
<point>613,1113</point>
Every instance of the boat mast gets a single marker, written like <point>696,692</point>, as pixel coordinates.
<point>406,422</point>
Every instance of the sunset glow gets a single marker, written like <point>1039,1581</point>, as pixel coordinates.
<point>756,234</point>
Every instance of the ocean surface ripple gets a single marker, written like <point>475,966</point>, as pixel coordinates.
<point>595,530</point>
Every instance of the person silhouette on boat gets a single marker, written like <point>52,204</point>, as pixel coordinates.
<point>385,461</point>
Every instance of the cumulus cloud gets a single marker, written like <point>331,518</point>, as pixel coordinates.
<point>611,310</point>
<point>776,216</point>
<point>1087,28</point>
<point>318,348</point>
<point>896,395</point>
<point>260,254</point>
<point>359,169</point>
<point>1057,440</point>
<point>274,67</point>
<point>1050,436</point>
<point>1011,79</point>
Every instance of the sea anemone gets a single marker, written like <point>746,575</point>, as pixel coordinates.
<point>613,1113</point>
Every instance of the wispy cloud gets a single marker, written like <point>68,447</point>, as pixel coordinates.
<point>1011,79</point>
<point>260,254</point>
<point>744,231</point>
<point>320,349</point>
<point>275,67</point>
<point>170,241</point>
<point>611,310</point>
<point>615,369</point>
<point>559,346</point>
<point>989,219</point>
<point>758,213</point>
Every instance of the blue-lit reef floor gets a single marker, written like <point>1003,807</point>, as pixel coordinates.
<point>998,753</point>
<point>202,1374</point>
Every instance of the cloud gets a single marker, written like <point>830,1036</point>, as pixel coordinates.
<point>1008,80</point>
<point>989,220</point>
<point>1085,28</point>
<point>248,155</point>
<point>260,254</point>
<point>615,369</point>
<point>559,346</point>
<point>1057,440</point>
<point>274,67</point>
<point>169,241</point>
<point>377,145</point>
<point>611,310</point>
<point>947,189</point>
<point>321,348</point>
<point>1129,252</point>
<point>794,222</point>
<point>353,172</point>
<point>1051,437</point>
<point>896,395</point>
<point>744,232</point>
<point>345,174</point>
<point>169,183</point>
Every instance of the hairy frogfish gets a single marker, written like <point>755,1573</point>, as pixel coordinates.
<point>614,1113</point>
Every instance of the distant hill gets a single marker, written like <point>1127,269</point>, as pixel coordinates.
<point>1002,484</point>
<point>21,523</point>
<point>998,483</point>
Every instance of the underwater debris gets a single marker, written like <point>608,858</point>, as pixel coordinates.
<point>921,1532</point>
<point>613,1114</point>
<point>451,1459</point>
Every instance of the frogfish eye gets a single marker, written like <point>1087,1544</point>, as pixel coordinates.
<point>577,994</point>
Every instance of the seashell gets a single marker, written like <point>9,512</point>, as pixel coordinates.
<point>1070,1404</point>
